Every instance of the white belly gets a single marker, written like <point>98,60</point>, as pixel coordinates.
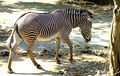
<point>47,38</point>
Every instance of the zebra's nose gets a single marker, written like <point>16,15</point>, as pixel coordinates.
<point>87,40</point>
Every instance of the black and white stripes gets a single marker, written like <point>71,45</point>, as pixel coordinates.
<point>46,25</point>
<point>57,24</point>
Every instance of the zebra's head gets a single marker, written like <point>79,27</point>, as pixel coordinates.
<point>86,25</point>
<point>83,19</point>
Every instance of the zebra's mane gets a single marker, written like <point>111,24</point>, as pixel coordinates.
<point>73,11</point>
<point>80,11</point>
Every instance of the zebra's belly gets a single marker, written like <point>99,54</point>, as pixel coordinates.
<point>39,38</point>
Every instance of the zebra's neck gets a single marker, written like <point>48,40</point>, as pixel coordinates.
<point>74,19</point>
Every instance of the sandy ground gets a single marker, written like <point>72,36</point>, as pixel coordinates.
<point>90,58</point>
<point>88,61</point>
<point>22,66</point>
<point>85,64</point>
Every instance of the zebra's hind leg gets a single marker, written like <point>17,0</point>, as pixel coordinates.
<point>16,41</point>
<point>57,50</point>
<point>11,55</point>
<point>30,54</point>
<point>67,40</point>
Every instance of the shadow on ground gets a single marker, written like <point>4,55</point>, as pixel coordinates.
<point>38,6</point>
<point>80,66</point>
<point>47,7</point>
<point>83,65</point>
<point>6,8</point>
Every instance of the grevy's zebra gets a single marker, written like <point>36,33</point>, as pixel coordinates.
<point>58,24</point>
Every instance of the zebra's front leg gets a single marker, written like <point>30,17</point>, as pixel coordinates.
<point>57,50</point>
<point>71,50</point>
<point>30,54</point>
<point>67,40</point>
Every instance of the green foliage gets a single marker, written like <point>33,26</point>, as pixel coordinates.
<point>98,2</point>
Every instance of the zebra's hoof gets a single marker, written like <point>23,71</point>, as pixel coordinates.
<point>10,71</point>
<point>39,67</point>
<point>58,62</point>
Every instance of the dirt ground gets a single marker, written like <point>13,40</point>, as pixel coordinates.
<point>89,59</point>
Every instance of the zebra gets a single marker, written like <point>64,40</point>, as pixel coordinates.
<point>58,24</point>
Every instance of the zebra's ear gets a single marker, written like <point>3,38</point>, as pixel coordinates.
<point>91,14</point>
<point>89,19</point>
<point>85,13</point>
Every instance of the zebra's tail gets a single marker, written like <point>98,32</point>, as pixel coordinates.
<point>10,39</point>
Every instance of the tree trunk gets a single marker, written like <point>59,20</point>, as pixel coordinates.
<point>115,40</point>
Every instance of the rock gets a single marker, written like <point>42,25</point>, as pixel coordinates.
<point>105,47</point>
<point>4,53</point>
<point>23,54</point>
<point>76,46</point>
<point>87,51</point>
<point>42,53</point>
<point>61,72</point>
<point>87,47</point>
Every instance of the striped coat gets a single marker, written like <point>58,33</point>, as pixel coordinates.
<point>57,25</point>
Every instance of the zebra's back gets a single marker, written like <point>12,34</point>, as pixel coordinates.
<point>39,26</point>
